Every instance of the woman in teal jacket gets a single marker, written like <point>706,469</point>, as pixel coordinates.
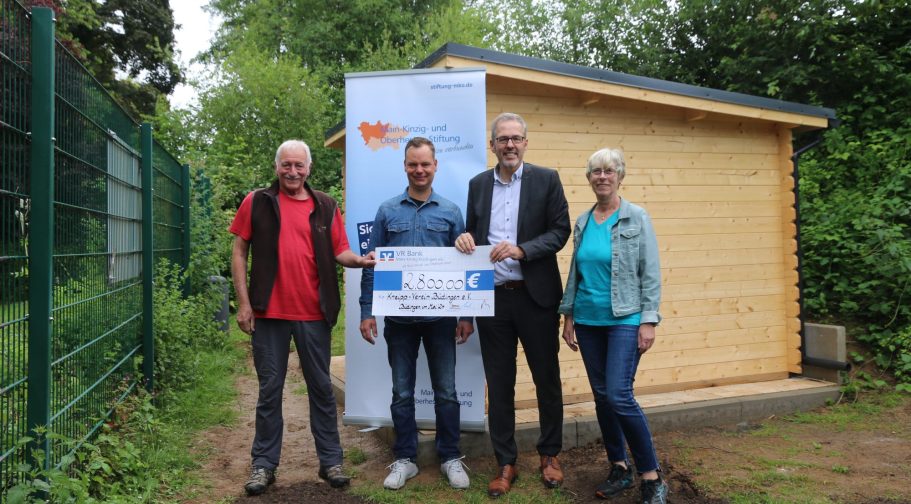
<point>610,310</point>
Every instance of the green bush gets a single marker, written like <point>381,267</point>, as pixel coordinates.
<point>898,352</point>
<point>140,453</point>
<point>856,238</point>
<point>183,327</point>
<point>109,468</point>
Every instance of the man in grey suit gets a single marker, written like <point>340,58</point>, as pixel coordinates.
<point>521,210</point>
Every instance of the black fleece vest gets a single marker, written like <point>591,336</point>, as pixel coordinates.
<point>266,223</point>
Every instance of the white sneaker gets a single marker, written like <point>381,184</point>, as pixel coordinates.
<point>455,473</point>
<point>400,471</point>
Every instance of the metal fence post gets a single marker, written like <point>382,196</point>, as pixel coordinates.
<point>148,263</point>
<point>185,201</point>
<point>41,225</point>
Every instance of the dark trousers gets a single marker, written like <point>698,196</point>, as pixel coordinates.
<point>519,318</point>
<point>271,343</point>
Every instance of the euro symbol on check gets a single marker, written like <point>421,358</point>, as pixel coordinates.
<point>473,280</point>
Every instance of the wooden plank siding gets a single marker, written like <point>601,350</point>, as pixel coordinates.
<point>714,188</point>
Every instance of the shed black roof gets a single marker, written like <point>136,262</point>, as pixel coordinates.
<point>555,67</point>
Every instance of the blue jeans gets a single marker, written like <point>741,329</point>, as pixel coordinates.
<point>403,342</point>
<point>611,356</point>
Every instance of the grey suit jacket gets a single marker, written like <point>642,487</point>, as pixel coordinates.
<point>543,227</point>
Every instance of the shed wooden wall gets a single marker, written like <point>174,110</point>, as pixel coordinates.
<point>719,191</point>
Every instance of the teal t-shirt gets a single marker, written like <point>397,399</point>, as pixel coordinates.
<point>593,264</point>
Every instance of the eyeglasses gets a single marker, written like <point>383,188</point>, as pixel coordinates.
<point>504,140</point>
<point>597,172</point>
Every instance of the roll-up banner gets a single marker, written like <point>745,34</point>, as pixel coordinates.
<point>383,110</point>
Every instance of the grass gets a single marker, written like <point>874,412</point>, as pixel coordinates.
<point>840,469</point>
<point>853,416</point>
<point>529,491</point>
<point>209,403</point>
<point>773,485</point>
<point>355,455</point>
<point>777,463</point>
<point>761,498</point>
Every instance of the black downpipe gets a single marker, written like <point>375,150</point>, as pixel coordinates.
<point>811,361</point>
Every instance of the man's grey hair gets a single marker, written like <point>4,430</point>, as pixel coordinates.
<point>293,144</point>
<point>507,116</point>
<point>607,158</point>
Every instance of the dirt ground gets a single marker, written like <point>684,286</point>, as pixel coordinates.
<point>860,454</point>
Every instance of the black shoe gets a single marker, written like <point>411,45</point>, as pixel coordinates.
<point>653,491</point>
<point>617,481</point>
<point>260,478</point>
<point>334,475</point>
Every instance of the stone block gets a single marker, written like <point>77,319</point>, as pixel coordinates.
<point>824,342</point>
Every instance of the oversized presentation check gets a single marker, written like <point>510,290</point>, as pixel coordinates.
<point>433,282</point>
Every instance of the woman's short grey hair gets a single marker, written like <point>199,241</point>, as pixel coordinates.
<point>507,116</point>
<point>607,158</point>
<point>293,144</point>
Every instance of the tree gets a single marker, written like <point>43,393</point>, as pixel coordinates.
<point>135,37</point>
<point>256,102</point>
<point>329,38</point>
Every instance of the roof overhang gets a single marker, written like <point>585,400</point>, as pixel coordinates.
<point>698,101</point>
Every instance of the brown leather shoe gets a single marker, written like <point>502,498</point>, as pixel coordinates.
<point>551,474</point>
<point>502,483</point>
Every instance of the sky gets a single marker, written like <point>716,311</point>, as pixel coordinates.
<point>196,28</point>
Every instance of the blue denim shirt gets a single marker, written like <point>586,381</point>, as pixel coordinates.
<point>402,222</point>
<point>635,270</point>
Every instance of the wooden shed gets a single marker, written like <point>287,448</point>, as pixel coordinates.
<point>714,170</point>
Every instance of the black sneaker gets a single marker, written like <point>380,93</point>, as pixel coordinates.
<point>260,478</point>
<point>653,491</point>
<point>334,475</point>
<point>617,481</point>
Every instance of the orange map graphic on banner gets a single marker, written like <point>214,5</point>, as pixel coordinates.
<point>379,135</point>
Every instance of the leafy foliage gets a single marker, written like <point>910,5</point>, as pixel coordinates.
<point>141,453</point>
<point>257,102</point>
<point>184,327</point>
<point>331,38</point>
<point>860,267</point>
<point>135,37</point>
<point>110,465</point>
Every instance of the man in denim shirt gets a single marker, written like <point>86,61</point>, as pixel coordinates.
<point>419,217</point>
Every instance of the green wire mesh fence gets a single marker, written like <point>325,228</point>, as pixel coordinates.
<point>14,210</point>
<point>69,346</point>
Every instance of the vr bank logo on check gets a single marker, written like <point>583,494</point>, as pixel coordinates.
<point>387,255</point>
